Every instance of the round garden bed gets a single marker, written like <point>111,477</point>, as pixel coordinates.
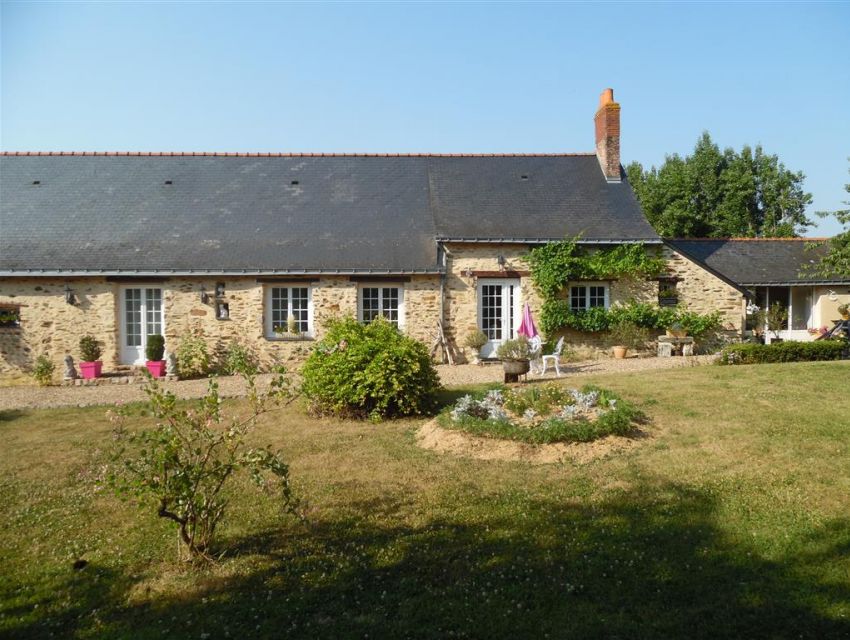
<point>539,424</point>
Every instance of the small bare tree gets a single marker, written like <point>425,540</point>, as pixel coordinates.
<point>184,461</point>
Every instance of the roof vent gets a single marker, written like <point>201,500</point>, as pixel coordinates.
<point>294,182</point>
<point>523,177</point>
<point>169,182</point>
<point>36,182</point>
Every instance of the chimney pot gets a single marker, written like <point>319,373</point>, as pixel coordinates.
<point>607,123</point>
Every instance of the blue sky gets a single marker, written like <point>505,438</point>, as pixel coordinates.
<point>440,77</point>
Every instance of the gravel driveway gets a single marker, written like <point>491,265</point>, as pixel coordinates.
<point>24,397</point>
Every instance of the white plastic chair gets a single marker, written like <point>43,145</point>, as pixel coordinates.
<point>554,358</point>
<point>535,347</point>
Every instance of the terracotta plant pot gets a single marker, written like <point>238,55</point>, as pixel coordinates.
<point>91,370</point>
<point>620,352</point>
<point>516,367</point>
<point>156,368</point>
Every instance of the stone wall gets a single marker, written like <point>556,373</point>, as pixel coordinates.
<point>52,327</point>
<point>701,291</point>
<point>698,290</point>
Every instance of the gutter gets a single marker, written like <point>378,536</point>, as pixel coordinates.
<point>477,240</point>
<point>20,273</point>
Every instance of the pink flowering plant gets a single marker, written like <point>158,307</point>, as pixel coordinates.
<point>182,464</point>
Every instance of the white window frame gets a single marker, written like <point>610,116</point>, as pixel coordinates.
<point>381,286</point>
<point>587,285</point>
<point>268,319</point>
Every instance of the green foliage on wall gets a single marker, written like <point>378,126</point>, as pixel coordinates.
<point>557,315</point>
<point>555,264</point>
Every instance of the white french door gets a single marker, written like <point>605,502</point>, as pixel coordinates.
<point>499,309</point>
<point>141,316</point>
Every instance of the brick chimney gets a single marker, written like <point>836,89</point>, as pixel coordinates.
<point>608,135</point>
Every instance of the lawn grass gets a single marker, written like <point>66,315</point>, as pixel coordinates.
<point>731,520</point>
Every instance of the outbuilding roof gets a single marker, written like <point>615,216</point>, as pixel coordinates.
<point>759,261</point>
<point>293,213</point>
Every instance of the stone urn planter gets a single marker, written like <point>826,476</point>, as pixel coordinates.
<point>516,367</point>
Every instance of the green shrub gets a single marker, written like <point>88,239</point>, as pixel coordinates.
<point>193,357</point>
<point>155,348</point>
<point>90,350</point>
<point>239,359</point>
<point>369,370</point>
<point>475,339</point>
<point>43,371</point>
<point>628,334</point>
<point>517,349</point>
<point>556,315</point>
<point>784,352</point>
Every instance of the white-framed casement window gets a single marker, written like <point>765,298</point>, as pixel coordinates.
<point>285,301</point>
<point>386,301</point>
<point>588,295</point>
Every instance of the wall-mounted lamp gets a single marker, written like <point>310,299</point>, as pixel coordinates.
<point>69,295</point>
<point>502,262</point>
<point>204,296</point>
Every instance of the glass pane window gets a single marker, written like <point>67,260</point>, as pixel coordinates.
<point>596,297</point>
<point>801,308</point>
<point>584,297</point>
<point>491,311</point>
<point>380,301</point>
<point>286,302</point>
<point>578,298</point>
<point>133,317</point>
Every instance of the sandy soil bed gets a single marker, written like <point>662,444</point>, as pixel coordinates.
<point>432,436</point>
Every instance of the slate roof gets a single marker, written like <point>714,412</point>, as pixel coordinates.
<point>757,261</point>
<point>293,213</point>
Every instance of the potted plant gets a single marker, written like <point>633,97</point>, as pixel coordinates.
<point>515,356</point>
<point>90,351</point>
<point>154,352</point>
<point>777,320</point>
<point>627,335</point>
<point>844,310</point>
<point>676,330</point>
<point>475,340</point>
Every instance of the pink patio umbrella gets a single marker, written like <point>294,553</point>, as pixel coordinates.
<point>526,327</point>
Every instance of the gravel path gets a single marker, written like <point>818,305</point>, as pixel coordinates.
<point>492,372</point>
<point>26,397</point>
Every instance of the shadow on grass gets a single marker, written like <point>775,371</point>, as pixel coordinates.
<point>648,563</point>
<point>10,415</point>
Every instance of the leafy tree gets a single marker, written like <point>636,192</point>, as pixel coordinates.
<point>837,259</point>
<point>720,194</point>
<point>182,465</point>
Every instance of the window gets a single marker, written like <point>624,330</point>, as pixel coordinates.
<point>667,294</point>
<point>588,296</point>
<point>387,302</point>
<point>283,302</point>
<point>10,317</point>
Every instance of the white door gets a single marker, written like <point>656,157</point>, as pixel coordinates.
<point>141,316</point>
<point>498,312</point>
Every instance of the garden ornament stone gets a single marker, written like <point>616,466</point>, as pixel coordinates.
<point>171,365</point>
<point>70,369</point>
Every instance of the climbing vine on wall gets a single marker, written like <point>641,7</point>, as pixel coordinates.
<point>555,265</point>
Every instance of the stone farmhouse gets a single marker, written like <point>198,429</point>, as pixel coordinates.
<point>237,246</point>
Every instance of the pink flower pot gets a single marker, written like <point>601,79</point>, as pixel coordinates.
<point>156,368</point>
<point>91,369</point>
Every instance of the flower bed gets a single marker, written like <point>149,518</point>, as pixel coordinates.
<point>542,414</point>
